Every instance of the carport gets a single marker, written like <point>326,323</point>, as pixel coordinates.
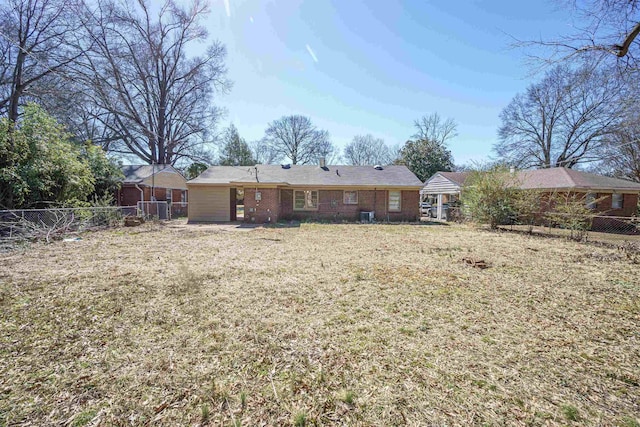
<point>441,188</point>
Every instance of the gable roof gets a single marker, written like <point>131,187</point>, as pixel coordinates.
<point>310,175</point>
<point>137,173</point>
<point>563,178</point>
<point>553,179</point>
<point>456,177</point>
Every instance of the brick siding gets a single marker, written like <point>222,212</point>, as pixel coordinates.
<point>602,209</point>
<point>331,206</point>
<point>629,205</point>
<point>264,210</point>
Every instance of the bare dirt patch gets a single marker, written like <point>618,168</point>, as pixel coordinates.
<point>318,324</point>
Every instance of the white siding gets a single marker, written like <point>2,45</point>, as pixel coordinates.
<point>209,203</point>
<point>438,184</point>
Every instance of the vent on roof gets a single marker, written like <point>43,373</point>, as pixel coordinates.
<point>287,166</point>
<point>378,167</point>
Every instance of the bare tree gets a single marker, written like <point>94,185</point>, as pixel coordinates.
<point>605,30</point>
<point>432,128</point>
<point>297,139</point>
<point>36,43</point>
<point>263,152</point>
<point>621,153</point>
<point>558,121</point>
<point>150,99</point>
<point>367,150</point>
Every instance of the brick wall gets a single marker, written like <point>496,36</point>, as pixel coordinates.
<point>262,211</point>
<point>128,196</point>
<point>331,206</point>
<point>602,209</point>
<point>629,205</point>
<point>160,194</point>
<point>603,203</point>
<point>374,200</point>
<point>410,207</point>
<point>177,196</point>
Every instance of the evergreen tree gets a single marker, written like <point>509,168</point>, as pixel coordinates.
<point>236,151</point>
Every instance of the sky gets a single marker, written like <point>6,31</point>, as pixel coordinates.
<point>360,67</point>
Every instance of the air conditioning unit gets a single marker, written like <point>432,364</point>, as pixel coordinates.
<point>367,216</point>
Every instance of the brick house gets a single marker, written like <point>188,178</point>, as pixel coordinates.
<point>298,192</point>
<point>606,196</point>
<point>153,183</point>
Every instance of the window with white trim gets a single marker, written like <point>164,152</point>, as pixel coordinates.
<point>350,198</point>
<point>169,195</point>
<point>183,197</point>
<point>305,200</point>
<point>394,201</point>
<point>617,201</point>
<point>590,201</point>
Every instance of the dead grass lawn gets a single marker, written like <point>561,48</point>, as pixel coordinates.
<point>318,325</point>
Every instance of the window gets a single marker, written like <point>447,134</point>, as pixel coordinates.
<point>350,197</point>
<point>183,197</point>
<point>306,200</point>
<point>590,201</point>
<point>169,195</point>
<point>394,200</point>
<point>616,201</point>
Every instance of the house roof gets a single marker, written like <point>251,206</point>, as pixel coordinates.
<point>138,173</point>
<point>456,177</point>
<point>563,178</point>
<point>310,175</point>
<point>556,179</point>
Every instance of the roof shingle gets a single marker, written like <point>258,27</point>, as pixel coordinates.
<point>557,179</point>
<point>310,175</point>
<point>137,173</point>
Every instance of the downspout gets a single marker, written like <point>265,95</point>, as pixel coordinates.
<point>141,198</point>
<point>386,208</point>
<point>375,201</point>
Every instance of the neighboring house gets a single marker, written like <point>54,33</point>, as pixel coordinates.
<point>153,183</point>
<point>286,192</point>
<point>606,196</point>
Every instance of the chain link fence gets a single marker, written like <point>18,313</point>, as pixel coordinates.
<point>603,228</point>
<point>46,224</point>
<point>179,209</point>
<point>154,210</point>
<point>162,210</point>
<point>606,229</point>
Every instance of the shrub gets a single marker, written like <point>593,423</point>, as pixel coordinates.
<point>490,196</point>
<point>570,211</point>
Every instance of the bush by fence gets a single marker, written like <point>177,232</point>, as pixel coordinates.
<point>580,227</point>
<point>28,224</point>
